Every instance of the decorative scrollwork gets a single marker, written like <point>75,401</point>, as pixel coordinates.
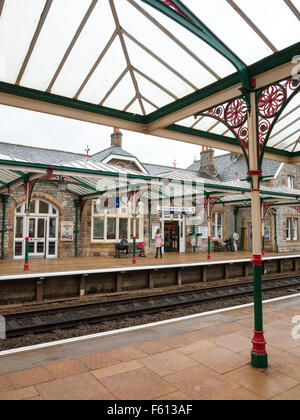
<point>270,101</point>
<point>236,113</point>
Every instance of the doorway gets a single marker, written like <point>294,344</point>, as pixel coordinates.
<point>171,236</point>
<point>43,230</point>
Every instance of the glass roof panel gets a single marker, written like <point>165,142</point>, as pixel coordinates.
<point>221,18</point>
<point>273,21</point>
<point>148,107</point>
<point>59,28</point>
<point>201,50</point>
<point>105,75</point>
<point>152,92</point>
<point>18,22</point>
<point>91,42</point>
<point>146,33</point>
<point>156,71</point>
<point>135,107</point>
<point>122,94</point>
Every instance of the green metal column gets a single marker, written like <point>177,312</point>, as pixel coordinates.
<point>76,204</point>
<point>4,202</point>
<point>259,356</point>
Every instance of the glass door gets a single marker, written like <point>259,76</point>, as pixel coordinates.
<point>52,238</point>
<point>37,236</point>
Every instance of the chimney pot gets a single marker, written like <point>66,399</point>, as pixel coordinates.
<point>116,138</point>
<point>207,163</point>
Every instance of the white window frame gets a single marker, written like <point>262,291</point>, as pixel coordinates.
<point>290,181</point>
<point>215,224</point>
<point>288,229</point>
<point>36,215</point>
<point>121,213</point>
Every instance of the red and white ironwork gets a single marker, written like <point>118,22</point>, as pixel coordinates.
<point>270,102</point>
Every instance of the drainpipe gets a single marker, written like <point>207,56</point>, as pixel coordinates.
<point>76,204</point>
<point>275,229</point>
<point>4,202</point>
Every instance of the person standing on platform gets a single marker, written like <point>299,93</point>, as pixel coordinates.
<point>158,243</point>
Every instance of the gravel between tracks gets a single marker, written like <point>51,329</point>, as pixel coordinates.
<point>82,330</point>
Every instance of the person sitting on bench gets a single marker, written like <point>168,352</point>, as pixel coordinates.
<point>123,245</point>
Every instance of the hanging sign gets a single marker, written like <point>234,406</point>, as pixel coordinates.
<point>175,210</point>
<point>267,231</point>
<point>67,231</point>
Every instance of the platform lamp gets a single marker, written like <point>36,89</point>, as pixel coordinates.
<point>62,184</point>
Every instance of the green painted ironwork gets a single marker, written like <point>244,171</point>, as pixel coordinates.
<point>259,361</point>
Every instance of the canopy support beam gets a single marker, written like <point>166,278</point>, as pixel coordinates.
<point>259,357</point>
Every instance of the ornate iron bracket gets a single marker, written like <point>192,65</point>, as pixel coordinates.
<point>270,103</point>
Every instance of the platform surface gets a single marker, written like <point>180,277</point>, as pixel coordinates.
<point>71,264</point>
<point>203,357</point>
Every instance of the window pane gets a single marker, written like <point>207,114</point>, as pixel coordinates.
<point>288,229</point>
<point>31,228</point>
<point>41,228</point>
<point>295,230</point>
<point>32,206</point>
<point>31,247</point>
<point>52,248</point>
<point>40,247</point>
<point>53,210</point>
<point>52,228</point>
<point>19,227</point>
<point>98,228</point>
<point>44,207</point>
<point>18,209</point>
<point>111,228</point>
<point>123,228</point>
<point>18,249</point>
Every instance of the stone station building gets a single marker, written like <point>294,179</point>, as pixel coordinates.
<point>56,209</point>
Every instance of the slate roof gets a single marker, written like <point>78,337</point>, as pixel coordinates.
<point>35,154</point>
<point>114,150</point>
<point>228,168</point>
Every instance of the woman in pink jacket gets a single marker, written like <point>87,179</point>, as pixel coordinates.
<point>158,243</point>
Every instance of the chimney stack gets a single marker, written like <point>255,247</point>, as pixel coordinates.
<point>116,138</point>
<point>207,163</point>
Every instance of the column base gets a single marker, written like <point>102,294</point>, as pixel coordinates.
<point>26,266</point>
<point>259,361</point>
<point>209,257</point>
<point>133,260</point>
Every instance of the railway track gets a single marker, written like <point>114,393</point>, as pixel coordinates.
<point>38,321</point>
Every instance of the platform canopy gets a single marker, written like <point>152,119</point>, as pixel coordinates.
<point>90,180</point>
<point>151,66</point>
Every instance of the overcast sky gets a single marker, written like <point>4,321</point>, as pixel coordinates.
<point>29,128</point>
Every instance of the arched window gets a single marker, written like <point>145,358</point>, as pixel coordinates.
<point>43,230</point>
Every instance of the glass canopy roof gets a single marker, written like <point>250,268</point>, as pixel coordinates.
<point>130,60</point>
